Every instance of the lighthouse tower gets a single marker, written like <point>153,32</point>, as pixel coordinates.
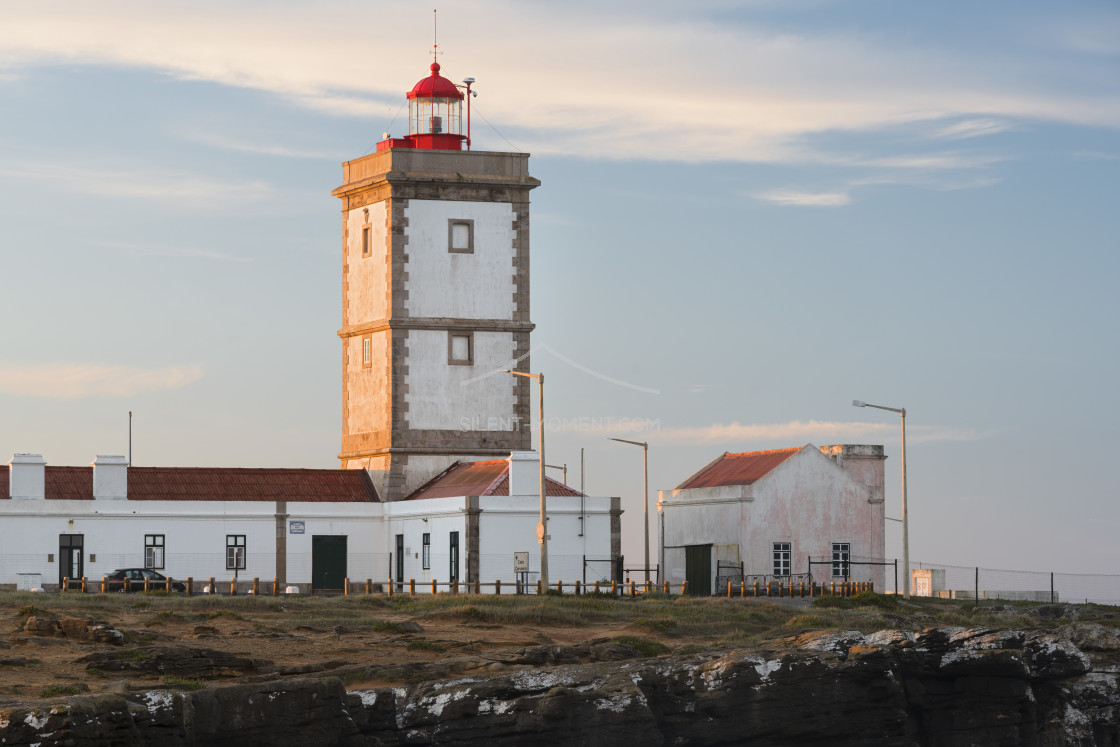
<point>435,298</point>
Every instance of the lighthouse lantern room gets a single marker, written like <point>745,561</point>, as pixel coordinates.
<point>435,107</point>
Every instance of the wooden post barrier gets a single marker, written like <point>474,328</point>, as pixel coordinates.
<point>684,587</point>
<point>648,587</point>
<point>145,585</point>
<point>346,587</point>
<point>190,586</point>
<point>275,586</point>
<point>256,586</point>
<point>577,587</point>
<point>728,589</point>
<point>614,591</point>
<point>210,589</point>
<point>560,586</point>
<point>433,587</point>
<point>633,589</point>
<point>767,588</point>
<point>455,586</point>
<point>538,587</point>
<point>742,588</point>
<point>596,587</point>
<point>83,584</point>
<point>389,586</point>
<point>412,587</point>
<point>756,590</point>
<point>666,588</point>
<point>233,586</point>
<point>832,592</point>
<point>369,586</point>
<point>62,589</point>
<point>498,588</point>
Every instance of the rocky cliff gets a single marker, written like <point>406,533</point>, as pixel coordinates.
<point>940,686</point>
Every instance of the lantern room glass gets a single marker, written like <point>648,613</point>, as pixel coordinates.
<point>434,116</point>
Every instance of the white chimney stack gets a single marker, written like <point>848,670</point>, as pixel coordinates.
<point>110,478</point>
<point>27,476</point>
<point>524,473</point>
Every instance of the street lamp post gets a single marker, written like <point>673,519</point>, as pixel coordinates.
<point>645,492</point>
<point>542,527</point>
<point>905,521</point>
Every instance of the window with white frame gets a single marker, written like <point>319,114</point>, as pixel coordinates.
<point>841,555</point>
<point>153,551</point>
<point>235,551</point>
<point>783,553</point>
<point>426,555</point>
<point>460,236</point>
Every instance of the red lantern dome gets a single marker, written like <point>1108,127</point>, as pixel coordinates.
<point>435,108</point>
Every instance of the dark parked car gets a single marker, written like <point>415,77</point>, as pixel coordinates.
<point>136,578</point>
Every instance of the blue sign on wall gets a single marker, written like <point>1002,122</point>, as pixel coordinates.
<point>296,527</point>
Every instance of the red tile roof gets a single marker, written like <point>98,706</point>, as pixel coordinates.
<point>214,484</point>
<point>489,477</point>
<point>738,469</point>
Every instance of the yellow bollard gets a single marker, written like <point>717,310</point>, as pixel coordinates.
<point>728,589</point>
<point>276,587</point>
<point>684,588</point>
<point>389,586</point>
<point>232,586</point>
<point>83,584</point>
<point>65,584</point>
<point>832,593</point>
<point>613,589</point>
<point>412,587</point>
<point>104,585</point>
<point>742,588</point>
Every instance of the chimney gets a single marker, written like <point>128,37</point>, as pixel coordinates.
<point>27,475</point>
<point>524,473</point>
<point>863,462</point>
<point>110,478</point>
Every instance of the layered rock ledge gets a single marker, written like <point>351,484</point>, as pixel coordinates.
<point>940,686</point>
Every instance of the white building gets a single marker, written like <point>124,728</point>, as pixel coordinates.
<point>766,514</point>
<point>310,528</point>
<point>435,291</point>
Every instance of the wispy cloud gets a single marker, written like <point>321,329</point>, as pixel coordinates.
<point>811,199</point>
<point>151,250</point>
<point>76,380</point>
<point>773,90</point>
<point>1095,155</point>
<point>814,431</point>
<point>143,184</point>
<point>228,142</point>
<point>973,128</point>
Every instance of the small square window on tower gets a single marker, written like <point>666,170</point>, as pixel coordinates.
<point>367,353</point>
<point>460,348</point>
<point>460,236</point>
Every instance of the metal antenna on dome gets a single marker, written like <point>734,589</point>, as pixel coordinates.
<point>435,35</point>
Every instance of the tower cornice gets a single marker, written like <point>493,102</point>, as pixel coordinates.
<point>481,325</point>
<point>437,169</point>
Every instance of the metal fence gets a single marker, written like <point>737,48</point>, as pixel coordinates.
<point>971,582</point>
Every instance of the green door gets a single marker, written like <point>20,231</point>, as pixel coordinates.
<point>698,569</point>
<point>328,561</point>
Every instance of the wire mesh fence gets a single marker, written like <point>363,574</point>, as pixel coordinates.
<point>974,582</point>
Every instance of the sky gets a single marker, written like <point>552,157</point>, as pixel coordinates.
<point>751,213</point>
